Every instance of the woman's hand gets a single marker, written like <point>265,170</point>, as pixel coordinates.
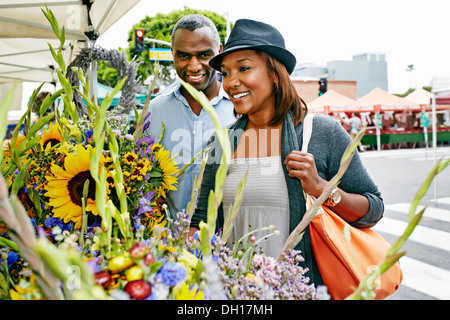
<point>301,165</point>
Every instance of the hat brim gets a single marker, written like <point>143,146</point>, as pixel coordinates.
<point>281,54</point>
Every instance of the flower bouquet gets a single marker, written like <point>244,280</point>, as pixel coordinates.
<point>83,214</point>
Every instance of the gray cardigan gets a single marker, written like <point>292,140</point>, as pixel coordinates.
<point>328,143</point>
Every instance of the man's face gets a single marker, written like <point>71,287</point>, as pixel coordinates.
<point>192,51</point>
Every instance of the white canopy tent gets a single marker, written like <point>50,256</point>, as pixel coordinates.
<point>25,34</point>
<point>439,85</point>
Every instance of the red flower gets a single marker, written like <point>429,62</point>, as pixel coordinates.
<point>138,289</point>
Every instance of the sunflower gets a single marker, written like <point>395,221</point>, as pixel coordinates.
<point>65,186</point>
<point>7,144</point>
<point>169,170</point>
<point>51,136</point>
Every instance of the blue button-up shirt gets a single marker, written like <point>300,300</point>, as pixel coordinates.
<point>185,134</point>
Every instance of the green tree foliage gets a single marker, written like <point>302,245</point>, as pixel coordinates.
<point>402,95</point>
<point>106,74</point>
<point>160,27</point>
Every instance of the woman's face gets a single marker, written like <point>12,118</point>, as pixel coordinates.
<point>248,83</point>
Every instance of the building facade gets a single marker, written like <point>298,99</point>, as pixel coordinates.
<point>368,70</point>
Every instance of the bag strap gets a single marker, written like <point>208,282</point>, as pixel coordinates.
<point>307,131</point>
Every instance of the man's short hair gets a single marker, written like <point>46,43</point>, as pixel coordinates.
<point>193,22</point>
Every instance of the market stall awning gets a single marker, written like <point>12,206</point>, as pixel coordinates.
<point>443,100</point>
<point>332,101</point>
<point>424,98</point>
<point>380,100</point>
<point>420,96</point>
<point>25,32</point>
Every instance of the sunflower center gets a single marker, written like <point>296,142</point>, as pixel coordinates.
<point>76,185</point>
<point>53,142</point>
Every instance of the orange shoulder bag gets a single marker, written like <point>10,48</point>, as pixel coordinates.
<point>343,263</point>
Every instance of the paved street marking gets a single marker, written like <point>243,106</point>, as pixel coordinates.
<point>419,154</point>
<point>444,200</point>
<point>428,279</point>
<point>428,236</point>
<point>425,278</point>
<point>430,212</point>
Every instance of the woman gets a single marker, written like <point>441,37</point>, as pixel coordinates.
<point>267,138</point>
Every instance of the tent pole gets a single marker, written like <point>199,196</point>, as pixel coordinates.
<point>377,124</point>
<point>433,112</point>
<point>92,73</point>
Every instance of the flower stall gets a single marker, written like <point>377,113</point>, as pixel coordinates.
<point>83,213</point>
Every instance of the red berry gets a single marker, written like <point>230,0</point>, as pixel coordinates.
<point>149,259</point>
<point>138,250</point>
<point>103,278</point>
<point>138,289</point>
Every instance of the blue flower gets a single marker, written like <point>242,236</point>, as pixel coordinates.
<point>171,274</point>
<point>145,203</point>
<point>88,133</point>
<point>13,257</point>
<point>52,222</point>
<point>146,122</point>
<point>145,146</point>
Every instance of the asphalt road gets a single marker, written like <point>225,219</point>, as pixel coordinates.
<point>399,175</point>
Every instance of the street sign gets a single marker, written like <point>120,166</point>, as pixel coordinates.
<point>424,120</point>
<point>379,121</point>
<point>160,54</point>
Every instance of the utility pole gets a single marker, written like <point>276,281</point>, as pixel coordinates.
<point>410,69</point>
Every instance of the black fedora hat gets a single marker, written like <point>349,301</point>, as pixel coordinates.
<point>249,34</point>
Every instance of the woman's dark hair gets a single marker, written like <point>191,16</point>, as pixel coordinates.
<point>286,96</point>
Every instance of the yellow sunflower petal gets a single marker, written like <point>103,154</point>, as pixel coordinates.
<point>92,207</point>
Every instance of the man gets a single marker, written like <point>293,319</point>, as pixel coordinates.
<point>188,127</point>
<point>355,125</point>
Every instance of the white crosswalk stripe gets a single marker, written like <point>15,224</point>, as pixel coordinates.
<point>444,200</point>
<point>428,236</point>
<point>430,212</point>
<point>426,278</point>
<point>429,279</point>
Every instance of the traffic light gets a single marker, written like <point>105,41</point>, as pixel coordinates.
<point>139,40</point>
<point>322,86</point>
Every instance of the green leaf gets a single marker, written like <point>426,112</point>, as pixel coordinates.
<point>4,108</point>
<point>110,96</point>
<point>65,83</point>
<point>18,182</point>
<point>53,22</point>
<point>437,168</point>
<point>62,40</point>
<point>49,99</point>
<point>8,243</point>
<point>140,120</point>
<point>39,124</point>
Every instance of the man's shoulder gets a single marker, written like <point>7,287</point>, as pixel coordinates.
<point>163,103</point>
<point>167,93</point>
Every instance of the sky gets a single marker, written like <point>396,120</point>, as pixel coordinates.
<point>406,31</point>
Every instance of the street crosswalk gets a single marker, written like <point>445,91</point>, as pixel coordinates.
<point>421,272</point>
<point>421,154</point>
